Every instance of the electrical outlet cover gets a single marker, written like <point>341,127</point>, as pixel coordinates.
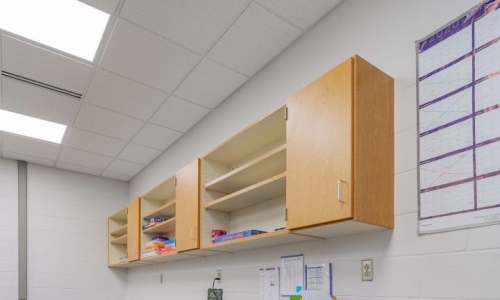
<point>367,270</point>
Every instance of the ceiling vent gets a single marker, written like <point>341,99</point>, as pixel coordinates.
<point>41,84</point>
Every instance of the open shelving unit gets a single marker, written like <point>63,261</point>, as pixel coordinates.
<point>159,202</point>
<point>163,227</point>
<point>166,210</point>
<point>244,187</point>
<point>122,240</point>
<point>119,231</point>
<point>316,168</point>
<point>257,170</point>
<point>260,192</point>
<point>117,237</point>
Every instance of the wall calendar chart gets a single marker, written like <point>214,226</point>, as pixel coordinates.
<point>458,75</point>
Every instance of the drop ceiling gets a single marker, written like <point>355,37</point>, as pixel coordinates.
<point>162,66</point>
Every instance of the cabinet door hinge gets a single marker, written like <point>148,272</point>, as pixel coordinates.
<point>127,210</point>
<point>285,113</point>
<point>286,214</point>
<point>175,181</point>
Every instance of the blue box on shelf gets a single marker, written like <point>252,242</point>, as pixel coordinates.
<point>237,235</point>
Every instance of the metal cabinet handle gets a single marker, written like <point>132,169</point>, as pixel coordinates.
<point>339,190</point>
<point>193,228</point>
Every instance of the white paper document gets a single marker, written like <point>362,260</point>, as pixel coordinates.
<point>292,277</point>
<point>319,278</point>
<point>269,284</point>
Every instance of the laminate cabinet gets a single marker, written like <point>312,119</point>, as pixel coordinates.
<point>188,213</point>
<point>177,201</point>
<point>123,235</point>
<point>340,154</point>
<point>244,187</point>
<point>321,165</point>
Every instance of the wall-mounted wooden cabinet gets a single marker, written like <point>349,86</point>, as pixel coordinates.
<point>325,157</point>
<point>340,158</point>
<point>177,201</point>
<point>244,187</point>
<point>319,166</point>
<point>123,235</point>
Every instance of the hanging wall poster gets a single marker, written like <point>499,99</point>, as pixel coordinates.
<point>459,122</point>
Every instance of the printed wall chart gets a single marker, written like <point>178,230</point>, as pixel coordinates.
<point>459,122</point>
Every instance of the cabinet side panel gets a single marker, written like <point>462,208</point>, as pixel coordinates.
<point>108,245</point>
<point>133,229</point>
<point>188,207</point>
<point>373,145</point>
<point>319,150</point>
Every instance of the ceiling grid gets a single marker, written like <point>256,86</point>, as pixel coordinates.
<point>161,67</point>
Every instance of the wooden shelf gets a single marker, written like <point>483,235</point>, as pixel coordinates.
<point>270,129</point>
<point>120,231</point>
<point>275,238</point>
<point>131,264</point>
<point>121,215</point>
<point>258,193</point>
<point>157,257</point>
<point>166,226</point>
<point>171,256</point>
<point>118,264</point>
<point>122,240</point>
<point>167,211</point>
<point>163,191</point>
<point>261,168</point>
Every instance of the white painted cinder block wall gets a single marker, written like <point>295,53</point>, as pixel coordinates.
<point>67,234</point>
<point>456,265</point>
<point>8,229</point>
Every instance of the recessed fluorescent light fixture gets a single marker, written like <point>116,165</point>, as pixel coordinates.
<point>31,127</point>
<point>67,25</point>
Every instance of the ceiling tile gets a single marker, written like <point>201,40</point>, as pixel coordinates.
<point>209,84</point>
<point>30,159</point>
<point>147,58</point>
<point>31,147</point>
<point>124,167</point>
<point>107,6</point>
<point>116,176</point>
<point>123,95</point>
<point>84,159</point>
<point>179,114</point>
<point>195,24</point>
<point>38,102</point>
<point>156,137</point>
<point>253,40</point>
<point>105,122</point>
<point>79,169</point>
<point>301,13</point>
<point>139,154</point>
<point>94,143</point>
<point>35,63</point>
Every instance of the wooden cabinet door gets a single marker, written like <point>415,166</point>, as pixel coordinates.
<point>319,150</point>
<point>187,212</point>
<point>133,230</point>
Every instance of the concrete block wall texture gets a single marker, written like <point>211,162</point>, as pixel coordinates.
<point>67,235</point>
<point>461,264</point>
<point>8,229</point>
